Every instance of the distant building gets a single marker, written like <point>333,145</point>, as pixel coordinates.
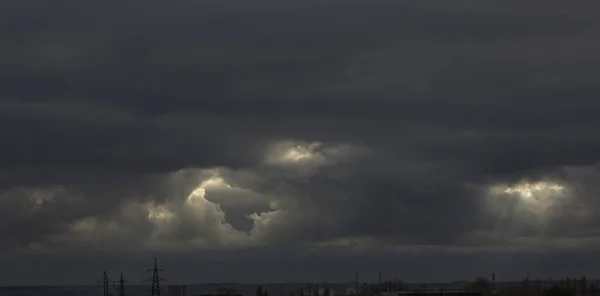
<point>224,292</point>
<point>177,291</point>
<point>430,293</point>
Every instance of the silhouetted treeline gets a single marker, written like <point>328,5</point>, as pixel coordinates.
<point>565,287</point>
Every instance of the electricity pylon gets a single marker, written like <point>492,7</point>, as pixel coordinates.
<point>105,281</point>
<point>122,286</point>
<point>155,289</point>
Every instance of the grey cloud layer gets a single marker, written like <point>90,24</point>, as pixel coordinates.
<point>114,109</point>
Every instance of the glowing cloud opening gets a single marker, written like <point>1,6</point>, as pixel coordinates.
<point>200,191</point>
<point>290,153</point>
<point>300,152</point>
<point>159,214</point>
<point>214,182</point>
<point>534,190</point>
<point>538,198</point>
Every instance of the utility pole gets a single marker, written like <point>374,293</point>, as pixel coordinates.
<point>155,289</point>
<point>122,286</point>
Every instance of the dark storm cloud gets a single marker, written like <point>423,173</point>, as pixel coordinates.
<point>402,204</point>
<point>125,107</point>
<point>457,66</point>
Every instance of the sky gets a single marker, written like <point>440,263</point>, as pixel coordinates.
<point>271,141</point>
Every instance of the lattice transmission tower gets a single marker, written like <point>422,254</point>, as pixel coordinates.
<point>155,290</point>
<point>122,285</point>
<point>105,283</point>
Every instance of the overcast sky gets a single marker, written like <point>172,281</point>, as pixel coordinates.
<point>263,141</point>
